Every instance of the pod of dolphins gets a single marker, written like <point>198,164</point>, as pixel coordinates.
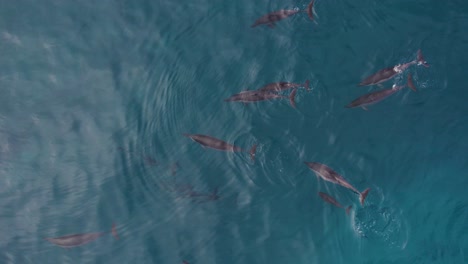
<point>268,92</point>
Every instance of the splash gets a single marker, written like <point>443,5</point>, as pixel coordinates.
<point>381,224</point>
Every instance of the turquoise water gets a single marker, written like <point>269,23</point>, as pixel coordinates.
<point>96,96</point>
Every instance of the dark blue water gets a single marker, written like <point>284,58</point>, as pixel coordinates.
<point>96,97</point>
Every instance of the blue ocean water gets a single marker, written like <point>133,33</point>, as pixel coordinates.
<point>96,97</point>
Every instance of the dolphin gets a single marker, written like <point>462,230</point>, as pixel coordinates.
<point>208,196</point>
<point>421,60</point>
<point>256,95</point>
<point>410,83</point>
<point>292,96</point>
<point>187,191</point>
<point>390,72</point>
<point>327,198</point>
<point>214,143</point>
<point>280,86</point>
<point>271,18</point>
<point>310,10</point>
<point>374,97</point>
<point>252,96</point>
<point>75,240</point>
<point>330,175</point>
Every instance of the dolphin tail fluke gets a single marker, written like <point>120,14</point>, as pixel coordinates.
<point>252,152</point>
<point>420,59</point>
<point>292,96</point>
<point>411,84</point>
<point>348,209</point>
<point>114,231</point>
<point>363,195</point>
<point>307,85</point>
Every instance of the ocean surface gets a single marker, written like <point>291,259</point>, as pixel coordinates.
<point>96,97</point>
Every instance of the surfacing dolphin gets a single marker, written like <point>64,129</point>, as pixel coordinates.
<point>390,72</point>
<point>270,18</point>
<point>258,95</point>
<point>327,198</point>
<point>375,97</point>
<point>75,240</point>
<point>280,86</point>
<point>330,175</point>
<point>214,143</point>
<point>252,96</point>
<point>421,60</point>
<point>310,12</point>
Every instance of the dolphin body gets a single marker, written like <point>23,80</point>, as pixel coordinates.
<point>330,175</point>
<point>214,143</point>
<point>375,97</point>
<point>386,74</point>
<point>309,10</point>
<point>253,96</point>
<point>260,95</point>
<point>327,198</point>
<point>280,86</point>
<point>390,72</point>
<point>411,83</point>
<point>270,18</point>
<point>75,240</point>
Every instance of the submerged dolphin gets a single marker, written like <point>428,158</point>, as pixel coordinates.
<point>280,86</point>
<point>214,143</point>
<point>187,191</point>
<point>213,196</point>
<point>330,175</point>
<point>327,198</point>
<point>271,18</point>
<point>75,240</point>
<point>375,97</point>
<point>388,73</point>
<point>410,83</point>
<point>258,95</point>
